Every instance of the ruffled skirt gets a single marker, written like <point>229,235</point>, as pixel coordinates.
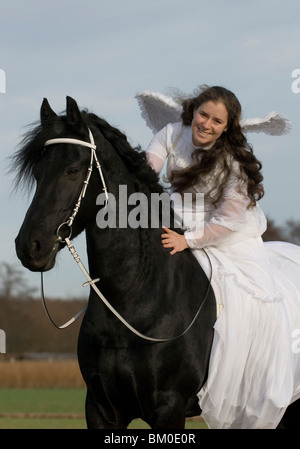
<point>254,371</point>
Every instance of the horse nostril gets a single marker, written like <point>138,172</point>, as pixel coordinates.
<point>35,252</point>
<point>35,248</point>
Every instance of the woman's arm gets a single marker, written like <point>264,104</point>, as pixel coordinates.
<point>155,162</point>
<point>228,218</point>
<point>157,150</point>
<point>216,231</point>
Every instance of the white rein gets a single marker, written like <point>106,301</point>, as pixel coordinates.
<point>92,282</point>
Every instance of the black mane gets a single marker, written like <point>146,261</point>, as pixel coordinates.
<point>31,150</point>
<point>134,158</point>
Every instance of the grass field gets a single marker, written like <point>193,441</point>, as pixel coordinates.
<point>40,374</point>
<point>42,408</point>
<point>48,395</point>
<point>55,408</point>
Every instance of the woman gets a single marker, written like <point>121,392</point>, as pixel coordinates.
<point>254,374</point>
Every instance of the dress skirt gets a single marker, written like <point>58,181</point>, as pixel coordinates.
<point>254,370</point>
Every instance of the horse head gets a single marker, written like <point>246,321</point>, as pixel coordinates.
<point>59,172</point>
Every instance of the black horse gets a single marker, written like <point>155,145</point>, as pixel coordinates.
<point>160,295</point>
<point>127,377</point>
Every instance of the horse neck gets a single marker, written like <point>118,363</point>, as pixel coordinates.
<point>122,255</point>
<point>119,251</point>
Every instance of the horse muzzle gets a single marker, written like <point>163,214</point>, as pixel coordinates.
<point>35,254</point>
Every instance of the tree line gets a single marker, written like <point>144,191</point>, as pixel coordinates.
<point>28,330</point>
<point>26,326</point>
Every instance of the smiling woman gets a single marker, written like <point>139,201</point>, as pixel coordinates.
<point>207,151</point>
<point>209,123</point>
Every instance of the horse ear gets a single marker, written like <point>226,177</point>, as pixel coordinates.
<point>46,111</point>
<point>74,117</point>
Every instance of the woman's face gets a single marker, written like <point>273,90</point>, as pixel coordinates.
<point>209,122</point>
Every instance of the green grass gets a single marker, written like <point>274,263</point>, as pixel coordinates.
<point>17,404</point>
<point>40,400</point>
<point>41,423</point>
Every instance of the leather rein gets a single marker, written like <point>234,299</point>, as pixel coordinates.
<point>92,282</point>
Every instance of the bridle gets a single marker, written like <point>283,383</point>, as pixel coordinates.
<point>92,282</point>
<point>93,160</point>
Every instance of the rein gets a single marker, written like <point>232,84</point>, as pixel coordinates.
<point>92,282</point>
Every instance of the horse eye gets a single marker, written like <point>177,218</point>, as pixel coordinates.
<point>72,172</point>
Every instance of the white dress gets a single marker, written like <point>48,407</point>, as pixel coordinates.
<point>254,370</point>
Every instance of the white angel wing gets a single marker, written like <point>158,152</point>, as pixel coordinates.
<point>158,110</point>
<point>273,124</point>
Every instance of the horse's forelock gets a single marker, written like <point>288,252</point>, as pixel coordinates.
<point>30,151</point>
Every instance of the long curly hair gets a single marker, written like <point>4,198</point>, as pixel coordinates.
<point>232,144</point>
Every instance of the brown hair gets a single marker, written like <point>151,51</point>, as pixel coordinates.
<point>232,144</point>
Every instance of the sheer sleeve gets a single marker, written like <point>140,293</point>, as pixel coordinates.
<point>157,151</point>
<point>155,162</point>
<point>229,216</point>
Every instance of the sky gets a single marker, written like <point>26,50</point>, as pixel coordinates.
<point>102,53</point>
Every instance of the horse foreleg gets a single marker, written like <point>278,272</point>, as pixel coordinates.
<point>95,419</point>
<point>167,417</point>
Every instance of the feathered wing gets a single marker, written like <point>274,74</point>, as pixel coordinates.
<point>158,110</point>
<point>273,124</point>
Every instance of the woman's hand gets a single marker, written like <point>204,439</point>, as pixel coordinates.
<point>173,240</point>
